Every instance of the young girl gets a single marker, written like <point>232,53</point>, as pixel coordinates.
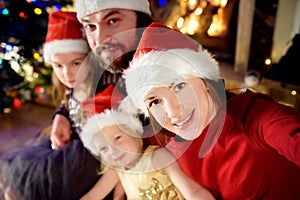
<point>65,50</point>
<point>145,172</point>
<point>67,170</point>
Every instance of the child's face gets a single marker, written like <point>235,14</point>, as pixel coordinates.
<point>66,66</point>
<point>117,146</point>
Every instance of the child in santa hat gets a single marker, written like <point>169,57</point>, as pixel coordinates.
<point>243,146</point>
<point>145,171</point>
<point>50,170</point>
<point>65,49</point>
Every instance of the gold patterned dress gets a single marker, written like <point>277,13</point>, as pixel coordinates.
<point>143,182</point>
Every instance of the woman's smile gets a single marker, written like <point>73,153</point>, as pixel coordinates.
<point>183,123</point>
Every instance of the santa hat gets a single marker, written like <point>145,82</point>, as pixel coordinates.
<point>164,56</point>
<point>105,119</point>
<point>64,35</point>
<point>88,7</point>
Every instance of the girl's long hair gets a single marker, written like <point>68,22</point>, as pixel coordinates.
<point>58,91</point>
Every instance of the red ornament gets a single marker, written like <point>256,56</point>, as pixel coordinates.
<point>37,89</point>
<point>17,102</point>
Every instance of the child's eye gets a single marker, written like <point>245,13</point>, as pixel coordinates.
<point>179,86</point>
<point>77,63</point>
<point>103,149</point>
<point>154,102</point>
<point>56,65</point>
<point>117,138</point>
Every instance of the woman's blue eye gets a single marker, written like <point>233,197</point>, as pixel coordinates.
<point>179,86</point>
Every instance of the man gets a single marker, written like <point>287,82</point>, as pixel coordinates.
<point>111,27</point>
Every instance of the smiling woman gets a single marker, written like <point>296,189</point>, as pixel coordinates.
<point>183,118</point>
<point>227,143</point>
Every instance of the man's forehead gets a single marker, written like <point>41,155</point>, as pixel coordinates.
<point>102,14</point>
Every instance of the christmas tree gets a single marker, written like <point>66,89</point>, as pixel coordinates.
<point>23,74</point>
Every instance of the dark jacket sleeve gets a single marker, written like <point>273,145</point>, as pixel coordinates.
<point>61,110</point>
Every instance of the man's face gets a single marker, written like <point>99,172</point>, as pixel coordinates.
<point>111,34</point>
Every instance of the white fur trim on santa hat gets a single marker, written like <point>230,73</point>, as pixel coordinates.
<point>105,119</point>
<point>87,7</point>
<point>166,67</point>
<point>127,105</point>
<point>64,46</point>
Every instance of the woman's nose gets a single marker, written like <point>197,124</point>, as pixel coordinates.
<point>172,106</point>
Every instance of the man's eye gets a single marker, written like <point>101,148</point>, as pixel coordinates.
<point>154,102</point>
<point>113,21</point>
<point>179,86</point>
<point>89,27</point>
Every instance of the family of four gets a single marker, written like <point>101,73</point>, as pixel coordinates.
<point>145,115</point>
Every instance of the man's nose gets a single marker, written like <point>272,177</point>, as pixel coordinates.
<point>102,37</point>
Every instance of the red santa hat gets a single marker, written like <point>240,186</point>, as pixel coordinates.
<point>88,7</point>
<point>164,56</point>
<point>64,35</point>
<point>105,119</point>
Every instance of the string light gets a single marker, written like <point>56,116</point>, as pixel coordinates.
<point>38,11</point>
<point>5,11</point>
<point>294,92</point>
<point>36,55</point>
<point>268,61</point>
<point>23,15</point>
<point>162,2</point>
<point>8,47</point>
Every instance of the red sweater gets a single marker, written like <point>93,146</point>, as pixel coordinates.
<point>256,154</point>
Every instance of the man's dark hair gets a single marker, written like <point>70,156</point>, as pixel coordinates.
<point>143,20</point>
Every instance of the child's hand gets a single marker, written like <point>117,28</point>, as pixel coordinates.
<point>61,132</point>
